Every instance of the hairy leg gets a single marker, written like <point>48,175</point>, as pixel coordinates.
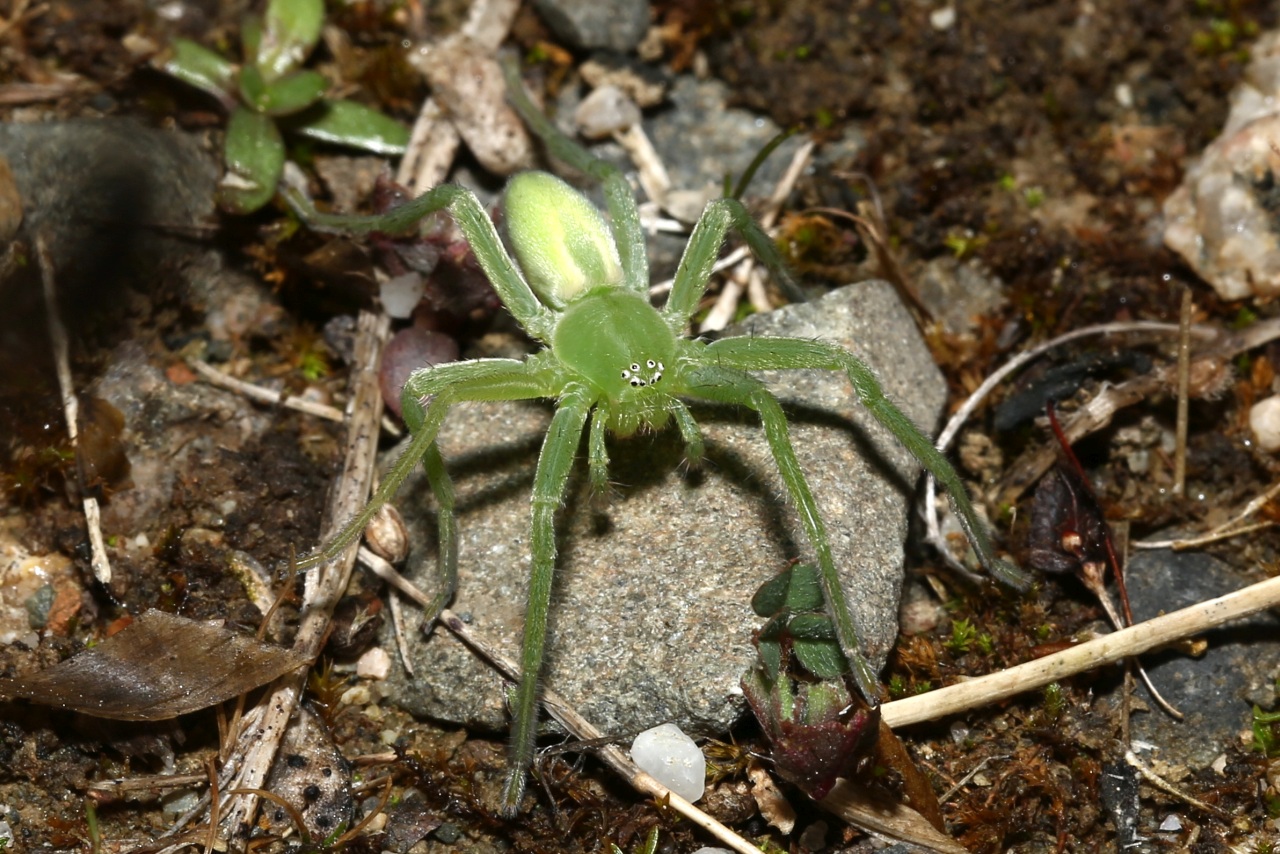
<point>702,251</point>
<point>598,453</point>
<point>554,462</point>
<point>443,385</point>
<point>732,386</point>
<point>476,227</point>
<point>764,354</point>
<point>694,446</point>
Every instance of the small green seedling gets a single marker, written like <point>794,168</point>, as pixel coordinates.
<point>578,284</point>
<point>817,729</point>
<point>793,605</point>
<point>648,846</point>
<point>271,92</point>
<point>1265,740</point>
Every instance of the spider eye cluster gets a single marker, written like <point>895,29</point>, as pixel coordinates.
<point>643,375</point>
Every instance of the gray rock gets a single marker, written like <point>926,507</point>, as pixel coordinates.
<point>1216,690</point>
<point>701,136</point>
<point>590,24</point>
<point>111,198</point>
<point>651,620</point>
<point>960,292</point>
<point>1220,219</point>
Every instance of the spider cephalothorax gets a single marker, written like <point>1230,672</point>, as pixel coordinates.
<point>578,284</point>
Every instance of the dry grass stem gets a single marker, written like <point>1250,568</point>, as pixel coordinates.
<point>1168,788</point>
<point>933,532</point>
<point>261,734</point>
<point>222,379</point>
<point>612,756</point>
<point>1233,527</point>
<point>1184,390</point>
<point>992,688</point>
<point>71,406</point>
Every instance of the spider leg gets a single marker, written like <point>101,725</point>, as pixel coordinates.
<point>618,195</point>
<point>444,385</point>
<point>447,534</point>
<point>695,448</point>
<point>703,249</point>
<point>476,227</point>
<point>764,354</point>
<point>732,386</point>
<point>554,463</point>
<point>598,453</point>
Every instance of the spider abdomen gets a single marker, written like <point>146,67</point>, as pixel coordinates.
<point>616,341</point>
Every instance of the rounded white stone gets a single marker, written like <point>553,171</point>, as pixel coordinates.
<point>671,758</point>
<point>1264,421</point>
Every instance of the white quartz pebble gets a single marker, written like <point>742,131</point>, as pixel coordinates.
<point>605,111</point>
<point>1264,421</point>
<point>672,759</point>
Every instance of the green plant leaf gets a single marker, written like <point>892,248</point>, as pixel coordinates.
<point>254,155</point>
<point>822,658</point>
<point>774,627</point>
<point>200,67</point>
<point>770,654</point>
<point>771,597</point>
<point>253,88</point>
<point>805,591</point>
<point>250,38</point>
<point>352,124</point>
<point>290,30</point>
<point>290,94</point>
<point>796,588</point>
<point>812,627</point>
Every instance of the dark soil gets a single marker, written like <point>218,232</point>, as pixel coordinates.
<point>1033,141</point>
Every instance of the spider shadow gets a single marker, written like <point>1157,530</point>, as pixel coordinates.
<point>640,466</point>
<point>643,463</point>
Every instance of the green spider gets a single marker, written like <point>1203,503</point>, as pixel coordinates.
<point>578,285</point>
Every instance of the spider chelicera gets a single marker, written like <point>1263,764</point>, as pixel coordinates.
<point>578,285</point>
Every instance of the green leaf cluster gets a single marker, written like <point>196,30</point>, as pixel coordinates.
<point>1265,740</point>
<point>793,604</point>
<point>270,94</point>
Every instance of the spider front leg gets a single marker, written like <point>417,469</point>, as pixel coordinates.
<point>703,250</point>
<point>442,386</point>
<point>476,227</point>
<point>732,386</point>
<point>767,354</point>
<point>554,462</point>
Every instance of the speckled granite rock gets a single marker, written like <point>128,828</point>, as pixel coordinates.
<point>651,620</point>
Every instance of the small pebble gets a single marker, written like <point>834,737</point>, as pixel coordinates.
<point>400,294</point>
<point>606,110</point>
<point>178,803</point>
<point>374,664</point>
<point>673,759</point>
<point>943,19</point>
<point>1264,421</point>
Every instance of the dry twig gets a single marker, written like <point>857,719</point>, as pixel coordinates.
<point>1134,640</point>
<point>71,407</point>
<point>261,733</point>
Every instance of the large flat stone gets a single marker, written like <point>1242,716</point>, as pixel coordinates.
<point>651,619</point>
